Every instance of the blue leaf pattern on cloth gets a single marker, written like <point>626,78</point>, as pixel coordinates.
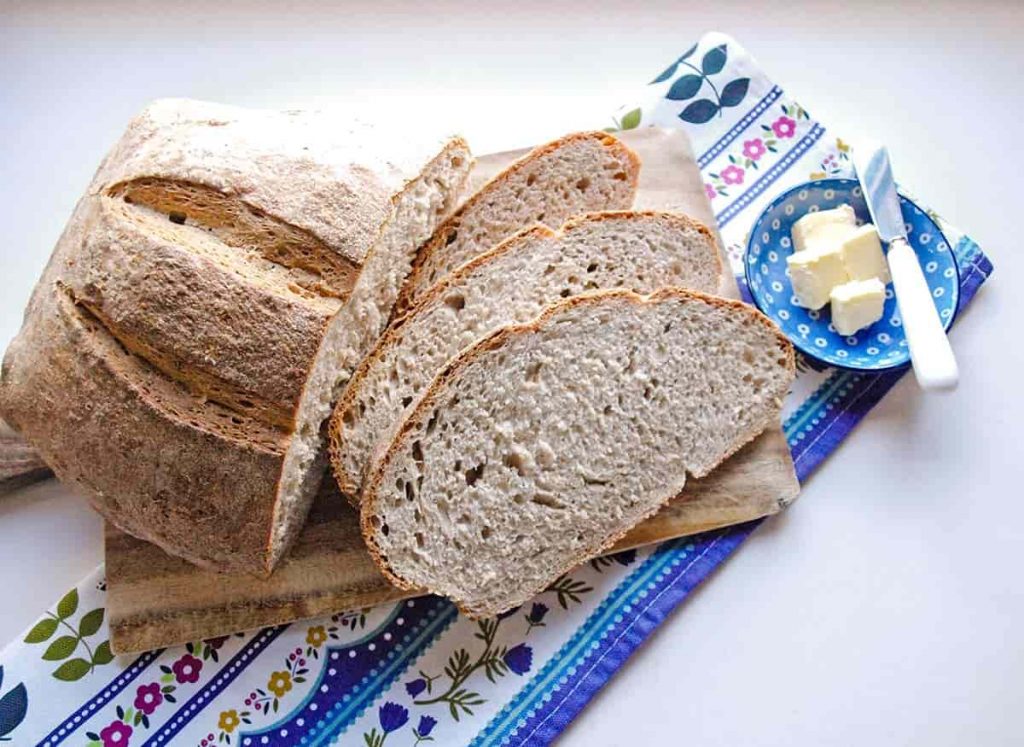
<point>734,92</point>
<point>685,87</point>
<point>699,112</point>
<point>714,60</point>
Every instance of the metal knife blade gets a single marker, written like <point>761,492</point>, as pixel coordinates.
<point>875,175</point>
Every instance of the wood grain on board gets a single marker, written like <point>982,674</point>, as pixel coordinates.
<point>19,463</point>
<point>156,600</point>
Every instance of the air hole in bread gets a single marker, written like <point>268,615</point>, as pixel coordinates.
<point>530,180</point>
<point>417,451</point>
<point>457,161</point>
<point>485,532</point>
<point>348,418</point>
<point>592,267</point>
<point>547,500</point>
<point>432,423</point>
<point>385,530</point>
<point>620,176</point>
<point>519,499</point>
<point>474,473</point>
<point>177,217</point>
<point>410,492</point>
<point>540,217</point>
<point>607,410</point>
<point>565,293</point>
<point>406,401</point>
<point>456,301</point>
<point>533,371</point>
<point>583,183</point>
<point>452,235</point>
<point>549,269</point>
<point>515,462</point>
<point>667,328</point>
<point>419,540</point>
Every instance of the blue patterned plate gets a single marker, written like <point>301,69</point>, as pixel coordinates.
<point>880,347</point>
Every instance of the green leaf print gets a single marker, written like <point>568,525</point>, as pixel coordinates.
<point>61,648</point>
<point>67,606</point>
<point>631,120</point>
<point>103,654</point>
<point>90,622</point>
<point>42,631</point>
<point>73,669</point>
<point>75,635</point>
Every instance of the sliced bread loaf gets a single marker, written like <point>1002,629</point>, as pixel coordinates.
<point>539,446</point>
<point>512,283</point>
<point>579,173</point>
<point>164,364</point>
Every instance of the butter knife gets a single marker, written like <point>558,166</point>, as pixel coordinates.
<point>930,352</point>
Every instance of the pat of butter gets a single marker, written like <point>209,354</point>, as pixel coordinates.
<point>857,304</point>
<point>815,273</point>
<point>824,229</point>
<point>862,255</point>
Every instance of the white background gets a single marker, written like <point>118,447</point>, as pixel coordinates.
<point>885,607</point>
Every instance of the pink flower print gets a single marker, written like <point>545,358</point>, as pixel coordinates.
<point>754,149</point>
<point>783,127</point>
<point>710,191</point>
<point>732,174</point>
<point>187,669</point>
<point>116,734</point>
<point>148,697</point>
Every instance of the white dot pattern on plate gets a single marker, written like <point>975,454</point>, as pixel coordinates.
<point>883,345</point>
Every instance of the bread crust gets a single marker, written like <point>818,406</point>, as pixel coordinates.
<point>348,483</point>
<point>159,366</point>
<point>420,409</point>
<point>407,298</point>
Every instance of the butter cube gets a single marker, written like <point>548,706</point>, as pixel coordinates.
<point>862,255</point>
<point>815,273</point>
<point>857,304</point>
<point>824,229</point>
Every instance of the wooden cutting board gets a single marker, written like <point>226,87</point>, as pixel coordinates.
<point>156,600</point>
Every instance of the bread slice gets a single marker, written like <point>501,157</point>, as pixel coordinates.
<point>164,364</point>
<point>641,251</point>
<point>539,446</point>
<point>580,173</point>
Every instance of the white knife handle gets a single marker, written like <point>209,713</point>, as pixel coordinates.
<point>934,364</point>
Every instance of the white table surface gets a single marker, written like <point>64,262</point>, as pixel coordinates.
<point>885,607</point>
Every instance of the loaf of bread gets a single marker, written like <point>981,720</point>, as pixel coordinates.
<point>185,337</point>
<point>512,283</point>
<point>580,173</point>
<point>539,446</point>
